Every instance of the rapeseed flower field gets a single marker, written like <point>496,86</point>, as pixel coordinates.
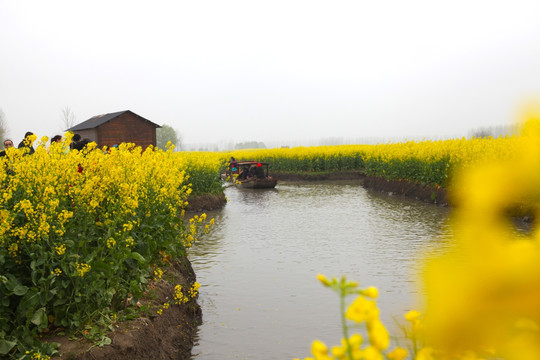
<point>82,233</point>
<point>425,162</point>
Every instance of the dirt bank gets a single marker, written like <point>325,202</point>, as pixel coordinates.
<point>435,195</point>
<point>427,193</point>
<point>206,202</point>
<point>318,176</point>
<point>152,336</point>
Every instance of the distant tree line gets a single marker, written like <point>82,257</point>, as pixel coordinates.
<point>250,145</point>
<point>493,131</point>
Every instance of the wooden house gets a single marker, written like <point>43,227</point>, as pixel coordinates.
<point>115,128</point>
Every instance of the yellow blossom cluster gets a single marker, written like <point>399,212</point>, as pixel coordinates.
<point>195,229</point>
<point>203,171</point>
<point>60,249</point>
<point>194,290</point>
<point>362,311</point>
<point>178,296</point>
<point>38,355</point>
<point>111,242</point>
<point>165,306</point>
<point>158,274</point>
<point>82,268</point>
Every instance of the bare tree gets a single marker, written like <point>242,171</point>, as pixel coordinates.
<point>68,118</point>
<point>3,125</point>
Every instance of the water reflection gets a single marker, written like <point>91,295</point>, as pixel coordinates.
<point>257,268</point>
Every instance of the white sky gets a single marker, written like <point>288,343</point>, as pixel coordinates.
<point>271,70</point>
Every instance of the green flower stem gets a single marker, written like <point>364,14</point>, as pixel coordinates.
<point>344,320</point>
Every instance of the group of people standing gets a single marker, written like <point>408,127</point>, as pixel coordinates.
<point>25,143</point>
<point>76,143</point>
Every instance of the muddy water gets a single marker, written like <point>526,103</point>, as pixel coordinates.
<point>259,294</point>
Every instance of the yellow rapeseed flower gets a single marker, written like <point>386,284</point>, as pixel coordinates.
<point>490,277</point>
<point>378,335</point>
<point>82,269</point>
<point>397,354</point>
<point>194,289</point>
<point>362,309</point>
<point>178,295</point>
<point>425,354</point>
<point>130,241</point>
<point>371,292</point>
<point>323,279</point>
<point>372,353</point>
<point>319,350</point>
<point>158,273</point>
<point>61,249</point>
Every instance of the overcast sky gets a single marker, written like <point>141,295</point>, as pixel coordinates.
<point>271,70</point>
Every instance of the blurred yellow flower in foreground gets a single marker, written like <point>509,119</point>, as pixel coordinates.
<point>362,309</point>
<point>490,280</point>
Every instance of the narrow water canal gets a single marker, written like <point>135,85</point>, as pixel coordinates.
<point>257,269</point>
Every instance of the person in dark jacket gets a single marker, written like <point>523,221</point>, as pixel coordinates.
<point>27,142</point>
<point>259,171</point>
<point>74,141</point>
<point>81,144</point>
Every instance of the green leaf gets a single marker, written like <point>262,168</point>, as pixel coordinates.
<point>11,283</point>
<point>20,290</point>
<point>6,346</point>
<point>60,301</point>
<point>102,267</point>
<point>40,318</point>
<point>138,257</point>
<point>29,300</point>
<point>105,340</point>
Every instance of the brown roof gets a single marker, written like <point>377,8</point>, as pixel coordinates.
<point>98,120</point>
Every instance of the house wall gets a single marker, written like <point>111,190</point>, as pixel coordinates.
<point>127,127</point>
<point>90,134</point>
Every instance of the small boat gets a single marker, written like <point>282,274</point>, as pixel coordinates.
<point>253,175</point>
<point>254,183</point>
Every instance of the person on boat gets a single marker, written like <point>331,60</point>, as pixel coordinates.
<point>243,173</point>
<point>259,171</point>
<point>234,164</point>
<point>251,172</point>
